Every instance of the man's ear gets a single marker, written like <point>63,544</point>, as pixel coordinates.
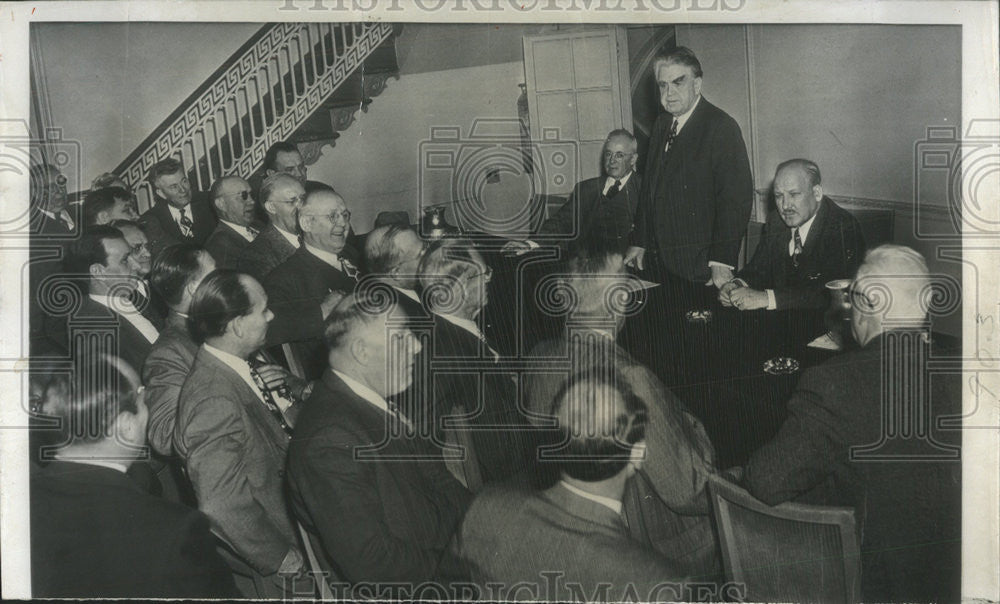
<point>359,350</point>
<point>236,326</point>
<point>635,160</point>
<point>216,202</point>
<point>697,86</point>
<point>102,217</point>
<point>97,269</point>
<point>269,172</point>
<point>127,428</point>
<point>818,192</point>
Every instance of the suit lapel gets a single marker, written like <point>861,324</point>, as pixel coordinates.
<point>251,402</point>
<point>816,230</point>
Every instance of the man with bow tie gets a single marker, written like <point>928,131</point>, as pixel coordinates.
<point>600,210</point>
<point>179,215</point>
<point>813,242</point>
<point>697,190</point>
<point>304,288</point>
<point>235,207</point>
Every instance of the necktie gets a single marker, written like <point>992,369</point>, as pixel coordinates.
<point>349,269</point>
<point>671,135</point>
<point>269,400</point>
<point>252,232</point>
<point>615,189</point>
<point>798,247</point>
<point>186,225</point>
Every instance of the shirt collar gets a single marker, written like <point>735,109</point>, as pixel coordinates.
<point>176,213</point>
<point>612,504</point>
<point>805,226</point>
<point>239,228</point>
<point>293,239</point>
<point>611,181</point>
<point>328,257</point>
<point>63,216</point>
<point>232,361</point>
<point>409,293</point>
<point>683,118</point>
<point>124,308</point>
<point>466,324</point>
<point>368,394</point>
<point>120,467</point>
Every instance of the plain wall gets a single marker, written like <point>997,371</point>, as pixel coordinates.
<point>111,84</point>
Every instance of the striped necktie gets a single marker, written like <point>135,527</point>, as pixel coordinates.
<point>798,247</point>
<point>187,227</point>
<point>671,135</point>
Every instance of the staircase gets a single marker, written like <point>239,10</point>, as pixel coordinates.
<point>301,82</point>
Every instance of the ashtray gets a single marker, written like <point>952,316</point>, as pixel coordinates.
<point>781,366</point>
<point>698,316</point>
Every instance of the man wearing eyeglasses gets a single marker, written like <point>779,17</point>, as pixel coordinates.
<point>304,288</point>
<point>136,239</point>
<point>282,196</point>
<point>600,210</point>
<point>177,216</point>
<point>234,205</point>
<point>806,243</point>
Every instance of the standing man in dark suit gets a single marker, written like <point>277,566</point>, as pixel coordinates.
<point>814,242</point>
<point>94,532</point>
<point>697,190</point>
<point>600,210</point>
<point>381,501</point>
<point>176,216</point>
<point>234,205</point>
<point>305,288</point>
<point>282,196</point>
<point>231,430</point>
<point>514,537</point>
<point>869,429</point>
<point>106,267</point>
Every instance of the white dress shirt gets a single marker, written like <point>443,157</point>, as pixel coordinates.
<point>369,395</point>
<point>176,214</point>
<point>612,504</point>
<point>239,228</point>
<point>63,217</point>
<point>329,257</point>
<point>610,182</point>
<point>124,308</point>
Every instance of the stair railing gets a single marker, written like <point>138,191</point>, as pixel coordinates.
<point>260,95</point>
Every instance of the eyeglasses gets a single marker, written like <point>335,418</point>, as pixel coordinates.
<point>59,184</point>
<point>486,274</point>
<point>244,195</point>
<point>344,215</point>
<point>617,155</point>
<point>177,186</point>
<point>295,200</point>
<point>140,248</point>
<point>859,299</point>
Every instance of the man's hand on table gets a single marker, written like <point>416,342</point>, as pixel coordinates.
<point>745,298</point>
<point>721,275</point>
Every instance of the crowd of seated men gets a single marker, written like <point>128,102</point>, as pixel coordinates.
<point>283,404</point>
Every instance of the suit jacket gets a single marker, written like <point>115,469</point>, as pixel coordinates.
<point>833,250</point>
<point>295,290</point>
<point>234,451</point>
<point>909,508</point>
<point>43,224</point>
<point>132,345</point>
<point>588,214</point>
<point>162,230</point>
<point>96,534</point>
<point>503,451</point>
<point>382,518</point>
<point>514,537</point>
<point>226,246</point>
<point>666,503</point>
<point>696,198</point>
<point>268,250</point>
<point>166,367</point>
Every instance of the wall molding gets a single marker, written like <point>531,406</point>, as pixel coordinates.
<point>904,207</point>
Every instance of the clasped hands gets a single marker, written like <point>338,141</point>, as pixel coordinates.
<point>274,376</point>
<point>739,294</point>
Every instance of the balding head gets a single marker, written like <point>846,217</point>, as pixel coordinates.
<point>891,289</point>
<point>394,252</point>
<point>233,200</point>
<point>325,220</point>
